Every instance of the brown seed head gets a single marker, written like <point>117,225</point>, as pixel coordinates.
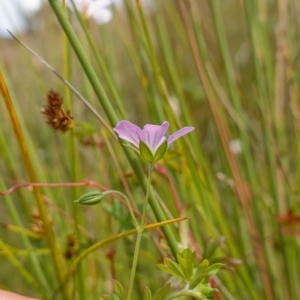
<point>56,117</point>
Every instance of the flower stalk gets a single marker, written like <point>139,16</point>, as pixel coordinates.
<point>140,230</point>
<point>151,144</point>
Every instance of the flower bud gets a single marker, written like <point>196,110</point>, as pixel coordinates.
<point>90,198</point>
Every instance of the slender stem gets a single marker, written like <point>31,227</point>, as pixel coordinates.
<point>107,241</point>
<point>135,260</point>
<point>140,230</point>
<point>135,223</point>
<point>101,63</point>
<point>143,222</point>
<point>72,151</point>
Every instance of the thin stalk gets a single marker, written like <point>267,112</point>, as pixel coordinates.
<point>157,73</point>
<point>114,238</point>
<point>141,65</point>
<point>223,131</point>
<point>266,108</point>
<point>261,252</point>
<point>140,230</point>
<point>107,241</point>
<point>71,146</point>
<point>101,64</point>
<point>127,201</point>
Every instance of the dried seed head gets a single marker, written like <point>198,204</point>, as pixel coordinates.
<point>71,247</point>
<point>56,117</point>
<point>36,224</point>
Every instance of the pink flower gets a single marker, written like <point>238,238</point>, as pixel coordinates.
<point>151,140</point>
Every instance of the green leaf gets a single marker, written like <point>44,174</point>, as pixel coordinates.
<point>172,268</point>
<point>204,271</point>
<point>202,266</point>
<point>161,151</point>
<point>175,267</point>
<point>214,269</point>
<point>145,152</point>
<point>186,260</point>
<point>119,290</point>
<point>196,281</point>
<point>147,294</point>
<point>200,273</point>
<point>211,245</point>
<point>162,292</point>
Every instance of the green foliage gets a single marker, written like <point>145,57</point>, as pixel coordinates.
<point>186,260</point>
<point>194,277</point>
<point>162,293</point>
<point>147,294</point>
<point>119,293</point>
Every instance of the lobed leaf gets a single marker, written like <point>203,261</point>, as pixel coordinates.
<point>147,294</point>
<point>119,290</point>
<point>172,268</point>
<point>162,292</point>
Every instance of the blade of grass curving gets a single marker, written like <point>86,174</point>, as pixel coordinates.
<point>85,102</point>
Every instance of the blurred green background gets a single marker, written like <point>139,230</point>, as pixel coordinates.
<point>229,68</point>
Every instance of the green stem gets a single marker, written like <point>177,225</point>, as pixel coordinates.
<point>143,222</point>
<point>107,241</point>
<point>140,230</point>
<point>101,63</point>
<point>71,146</point>
<point>135,223</point>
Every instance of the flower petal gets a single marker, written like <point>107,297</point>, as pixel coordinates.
<point>183,131</point>
<point>153,135</point>
<point>101,16</point>
<point>129,132</point>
